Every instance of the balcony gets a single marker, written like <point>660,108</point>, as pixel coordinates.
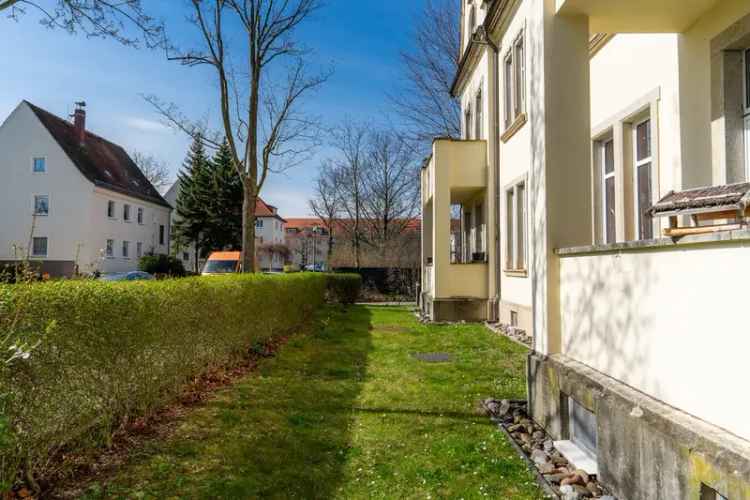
<point>455,175</point>
<point>637,16</point>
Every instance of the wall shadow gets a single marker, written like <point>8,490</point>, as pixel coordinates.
<point>278,433</point>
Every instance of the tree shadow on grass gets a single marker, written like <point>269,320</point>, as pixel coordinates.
<point>279,433</point>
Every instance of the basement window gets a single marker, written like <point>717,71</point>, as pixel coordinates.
<point>708,493</point>
<point>581,446</point>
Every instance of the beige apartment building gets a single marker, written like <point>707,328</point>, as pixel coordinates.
<point>598,200</point>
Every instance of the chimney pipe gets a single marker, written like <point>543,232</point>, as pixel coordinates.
<point>79,123</point>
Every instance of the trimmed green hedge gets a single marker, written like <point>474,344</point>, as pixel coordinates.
<point>344,288</point>
<point>121,350</point>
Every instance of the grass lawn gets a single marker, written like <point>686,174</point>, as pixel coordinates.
<point>348,412</point>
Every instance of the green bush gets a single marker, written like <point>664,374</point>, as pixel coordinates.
<point>121,350</point>
<point>163,265</point>
<point>344,288</point>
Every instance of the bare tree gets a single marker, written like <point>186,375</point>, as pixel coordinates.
<point>326,202</point>
<point>123,20</point>
<point>423,100</point>
<point>391,185</point>
<point>350,140</point>
<point>263,125</point>
<point>155,170</point>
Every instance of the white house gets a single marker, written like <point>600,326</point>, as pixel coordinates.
<point>71,199</point>
<point>603,183</point>
<point>269,237</point>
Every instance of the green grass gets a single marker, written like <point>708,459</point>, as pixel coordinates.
<point>347,412</point>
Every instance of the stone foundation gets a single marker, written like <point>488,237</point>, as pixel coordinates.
<point>454,309</point>
<point>646,449</point>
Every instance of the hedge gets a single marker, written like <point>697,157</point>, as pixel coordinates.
<point>344,288</point>
<point>116,351</point>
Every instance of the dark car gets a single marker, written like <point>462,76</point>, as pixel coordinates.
<point>131,276</point>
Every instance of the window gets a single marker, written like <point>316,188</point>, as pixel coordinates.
<point>479,232</point>
<point>161,235</point>
<point>125,249</point>
<point>514,78</point>
<point>467,123</point>
<point>479,118</point>
<point>140,216</point>
<point>39,246</point>
<point>111,209</point>
<point>582,426</point>
<point>126,213</point>
<point>39,165</point>
<point>139,249</point>
<point>259,223</point>
<point>609,219</point>
<point>519,76</point>
<point>110,251</point>
<point>747,113</point>
<point>508,79</point>
<point>41,204</point>
<point>747,81</point>
<point>185,256</point>
<point>643,181</point>
<point>515,227</point>
<point>708,493</point>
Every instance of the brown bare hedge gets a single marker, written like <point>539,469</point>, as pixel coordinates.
<point>117,351</point>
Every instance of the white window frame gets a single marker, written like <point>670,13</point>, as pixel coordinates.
<point>602,145</point>
<point>508,83</point>
<point>479,114</point>
<point>127,212</point>
<point>126,250</point>
<point>33,165</point>
<point>638,163</point>
<point>140,215</point>
<point>468,121</point>
<point>516,227</point>
<point>746,107</point>
<point>109,249</point>
<point>112,215</point>
<point>519,76</point>
<point>33,246</point>
<point>259,223</point>
<point>36,213</point>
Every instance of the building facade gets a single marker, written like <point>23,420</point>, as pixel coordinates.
<point>582,120</point>
<point>72,201</point>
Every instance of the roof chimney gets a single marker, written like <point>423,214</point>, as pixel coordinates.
<point>79,122</point>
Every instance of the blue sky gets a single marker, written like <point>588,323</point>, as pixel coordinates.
<point>52,69</point>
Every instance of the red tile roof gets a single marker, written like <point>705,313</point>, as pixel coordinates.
<point>263,209</point>
<point>102,162</point>
<point>310,222</point>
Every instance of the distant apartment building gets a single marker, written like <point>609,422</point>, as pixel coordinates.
<point>270,241</point>
<point>71,200</point>
<point>598,199</point>
<point>307,239</point>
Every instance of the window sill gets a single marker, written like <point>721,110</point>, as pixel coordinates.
<point>578,456</point>
<point>41,215</point>
<point>516,273</point>
<point>514,127</point>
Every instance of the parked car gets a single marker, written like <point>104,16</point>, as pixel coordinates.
<point>222,263</point>
<point>320,267</point>
<point>131,276</point>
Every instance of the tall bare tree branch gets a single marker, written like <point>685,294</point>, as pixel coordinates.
<point>123,20</point>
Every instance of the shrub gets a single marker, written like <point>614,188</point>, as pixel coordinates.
<point>121,350</point>
<point>164,265</point>
<point>344,288</point>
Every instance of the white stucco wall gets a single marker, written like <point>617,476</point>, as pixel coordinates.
<point>77,226</point>
<point>22,138</point>
<point>117,229</point>
<point>666,322</point>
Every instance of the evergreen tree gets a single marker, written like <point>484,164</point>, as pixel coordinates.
<point>192,224</point>
<point>224,207</point>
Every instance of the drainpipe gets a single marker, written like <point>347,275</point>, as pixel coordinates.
<point>481,37</point>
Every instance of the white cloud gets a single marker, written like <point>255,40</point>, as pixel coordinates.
<point>143,125</point>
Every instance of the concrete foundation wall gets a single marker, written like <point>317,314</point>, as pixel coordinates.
<point>646,449</point>
<point>454,309</point>
<point>524,314</point>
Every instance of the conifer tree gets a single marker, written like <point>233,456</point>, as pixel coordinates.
<point>224,207</point>
<point>192,224</point>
